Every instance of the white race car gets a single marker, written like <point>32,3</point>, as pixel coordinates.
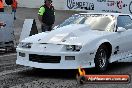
<point>85,39</point>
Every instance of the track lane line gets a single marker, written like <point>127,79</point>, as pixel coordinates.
<point>8,55</point>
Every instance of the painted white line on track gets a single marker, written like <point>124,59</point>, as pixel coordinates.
<point>8,55</point>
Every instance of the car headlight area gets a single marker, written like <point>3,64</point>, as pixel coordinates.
<point>73,47</point>
<point>24,45</point>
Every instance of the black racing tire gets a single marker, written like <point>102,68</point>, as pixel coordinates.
<point>101,58</point>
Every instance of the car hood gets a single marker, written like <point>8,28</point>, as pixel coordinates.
<point>75,34</point>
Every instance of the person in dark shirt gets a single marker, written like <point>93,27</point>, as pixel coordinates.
<point>46,15</point>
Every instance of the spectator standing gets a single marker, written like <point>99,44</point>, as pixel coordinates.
<point>14,7</point>
<point>46,15</point>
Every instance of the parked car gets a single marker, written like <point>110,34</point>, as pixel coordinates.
<point>86,39</point>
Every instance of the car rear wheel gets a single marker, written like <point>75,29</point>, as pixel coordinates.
<point>101,58</point>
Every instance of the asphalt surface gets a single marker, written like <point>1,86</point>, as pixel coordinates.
<point>16,76</point>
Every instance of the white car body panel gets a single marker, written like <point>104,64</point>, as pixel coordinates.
<point>54,42</point>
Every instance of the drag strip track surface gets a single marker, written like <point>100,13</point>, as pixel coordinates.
<point>16,76</point>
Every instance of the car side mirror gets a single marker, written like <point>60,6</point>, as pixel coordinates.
<point>121,29</point>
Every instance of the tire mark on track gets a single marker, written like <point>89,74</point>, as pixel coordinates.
<point>9,67</point>
<point>13,77</point>
<point>7,55</point>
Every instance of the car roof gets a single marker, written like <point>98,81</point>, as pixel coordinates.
<point>115,14</point>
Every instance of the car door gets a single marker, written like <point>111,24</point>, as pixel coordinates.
<point>124,38</point>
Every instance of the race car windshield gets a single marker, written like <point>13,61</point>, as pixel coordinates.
<point>95,22</point>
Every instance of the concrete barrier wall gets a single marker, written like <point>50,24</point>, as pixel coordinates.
<point>59,4</point>
<point>30,3</point>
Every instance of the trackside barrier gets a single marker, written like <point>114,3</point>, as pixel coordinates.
<point>7,37</point>
<point>100,6</point>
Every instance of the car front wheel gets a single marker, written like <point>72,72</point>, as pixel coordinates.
<point>101,58</point>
